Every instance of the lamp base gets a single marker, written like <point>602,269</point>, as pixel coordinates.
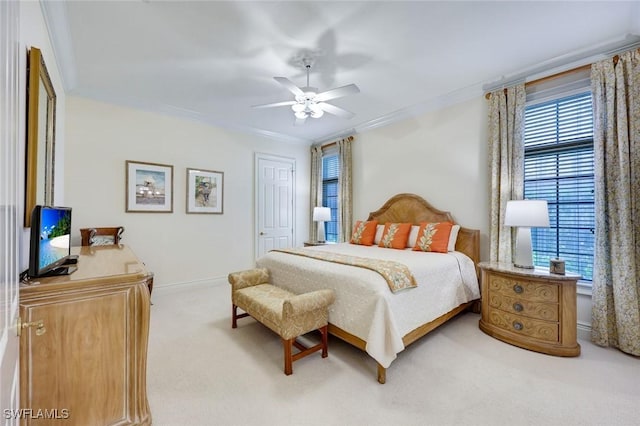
<point>523,266</point>
<point>321,235</point>
<point>524,253</point>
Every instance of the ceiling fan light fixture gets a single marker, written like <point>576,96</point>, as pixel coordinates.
<point>298,107</point>
<point>310,102</point>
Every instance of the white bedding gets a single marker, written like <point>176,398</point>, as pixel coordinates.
<point>364,306</point>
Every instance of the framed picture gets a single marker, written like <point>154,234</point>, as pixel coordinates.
<point>149,187</point>
<point>41,129</point>
<point>204,191</point>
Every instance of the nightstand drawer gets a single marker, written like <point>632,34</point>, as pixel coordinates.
<point>537,329</point>
<point>519,306</point>
<point>523,289</point>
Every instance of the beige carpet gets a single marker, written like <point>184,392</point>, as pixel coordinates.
<point>201,372</point>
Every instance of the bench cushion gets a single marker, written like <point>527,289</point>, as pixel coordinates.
<point>264,303</point>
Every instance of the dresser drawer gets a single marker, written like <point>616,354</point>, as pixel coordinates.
<point>537,329</point>
<point>519,306</point>
<point>526,290</point>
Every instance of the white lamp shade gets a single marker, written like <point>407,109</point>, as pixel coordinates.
<point>528,213</point>
<point>321,214</point>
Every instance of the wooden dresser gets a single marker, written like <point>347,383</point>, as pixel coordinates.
<point>87,358</point>
<point>530,308</point>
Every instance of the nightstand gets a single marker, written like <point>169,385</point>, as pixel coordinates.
<point>530,308</point>
<point>317,243</point>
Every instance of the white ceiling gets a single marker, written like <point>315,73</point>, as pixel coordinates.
<point>212,60</point>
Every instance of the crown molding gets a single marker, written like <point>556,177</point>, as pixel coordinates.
<point>57,22</point>
<point>439,102</point>
<point>567,61</point>
<point>173,111</point>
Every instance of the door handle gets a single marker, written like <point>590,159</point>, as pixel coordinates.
<point>263,233</point>
<point>39,324</point>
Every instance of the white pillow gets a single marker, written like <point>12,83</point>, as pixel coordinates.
<point>453,237</point>
<point>413,236</point>
<point>378,237</point>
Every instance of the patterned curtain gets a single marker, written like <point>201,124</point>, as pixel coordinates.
<point>345,191</point>
<point>616,278</point>
<point>316,189</point>
<point>506,157</point>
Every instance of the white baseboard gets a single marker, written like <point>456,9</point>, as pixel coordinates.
<point>170,287</point>
<point>584,331</point>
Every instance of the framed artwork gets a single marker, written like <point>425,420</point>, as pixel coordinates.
<point>41,129</point>
<point>149,187</point>
<point>204,191</point>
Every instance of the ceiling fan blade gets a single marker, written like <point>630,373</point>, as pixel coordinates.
<point>289,85</point>
<point>276,104</point>
<point>350,89</point>
<point>300,121</point>
<point>332,109</point>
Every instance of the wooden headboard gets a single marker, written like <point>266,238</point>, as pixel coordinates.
<point>411,208</point>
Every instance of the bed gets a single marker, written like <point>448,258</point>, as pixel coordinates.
<point>366,313</point>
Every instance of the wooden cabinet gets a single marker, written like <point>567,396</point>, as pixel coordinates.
<point>88,359</point>
<point>530,308</point>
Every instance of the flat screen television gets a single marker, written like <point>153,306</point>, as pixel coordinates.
<point>50,246</point>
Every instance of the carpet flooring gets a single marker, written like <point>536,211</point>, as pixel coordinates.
<point>202,372</point>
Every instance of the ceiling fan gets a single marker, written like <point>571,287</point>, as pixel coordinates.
<point>309,103</point>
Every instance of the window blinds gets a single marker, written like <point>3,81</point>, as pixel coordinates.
<point>558,167</point>
<point>330,172</point>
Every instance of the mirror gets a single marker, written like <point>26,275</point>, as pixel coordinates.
<point>41,117</point>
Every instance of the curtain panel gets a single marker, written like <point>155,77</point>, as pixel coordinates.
<point>315,198</point>
<point>616,280</point>
<point>506,165</point>
<point>345,190</point>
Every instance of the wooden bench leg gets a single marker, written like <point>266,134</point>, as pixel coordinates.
<point>288,359</point>
<point>325,345</point>
<point>235,316</point>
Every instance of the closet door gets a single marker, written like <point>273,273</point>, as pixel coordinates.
<point>274,203</point>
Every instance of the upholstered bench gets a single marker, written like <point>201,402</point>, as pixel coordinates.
<point>287,314</point>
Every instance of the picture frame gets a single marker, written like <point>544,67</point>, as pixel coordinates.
<point>41,129</point>
<point>149,187</point>
<point>205,191</point>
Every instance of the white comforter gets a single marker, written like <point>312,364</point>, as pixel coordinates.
<point>364,306</point>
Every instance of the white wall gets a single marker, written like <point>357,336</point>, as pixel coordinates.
<point>441,156</point>
<point>177,247</point>
<point>33,33</point>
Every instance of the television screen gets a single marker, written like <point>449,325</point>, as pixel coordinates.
<point>50,240</point>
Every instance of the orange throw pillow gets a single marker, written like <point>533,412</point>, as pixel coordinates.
<point>433,237</point>
<point>395,235</point>
<point>364,233</point>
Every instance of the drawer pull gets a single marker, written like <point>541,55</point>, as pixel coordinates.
<point>518,288</point>
<point>517,325</point>
<point>517,307</point>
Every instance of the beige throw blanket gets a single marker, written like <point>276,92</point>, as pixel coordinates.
<point>397,275</point>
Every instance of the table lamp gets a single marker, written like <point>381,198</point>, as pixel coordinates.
<point>321,215</point>
<point>525,214</point>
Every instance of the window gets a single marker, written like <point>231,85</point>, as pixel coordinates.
<point>558,167</point>
<point>330,171</point>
